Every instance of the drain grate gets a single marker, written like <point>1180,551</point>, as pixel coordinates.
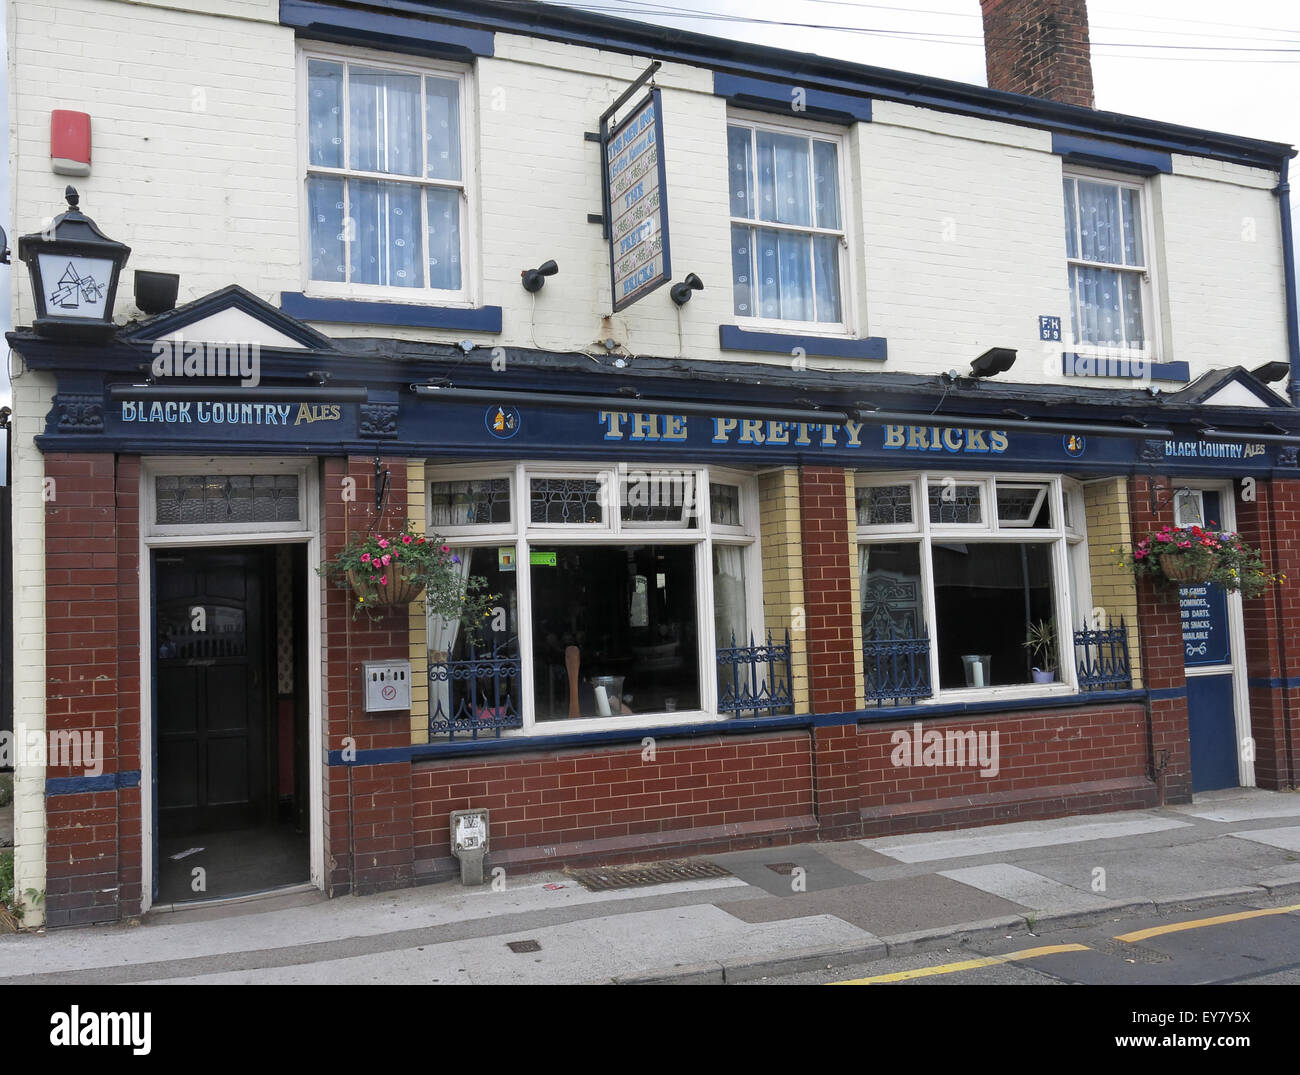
<point>524,946</point>
<point>603,878</point>
<point>786,868</point>
<point>1133,953</point>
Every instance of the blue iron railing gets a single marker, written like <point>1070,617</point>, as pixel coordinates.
<point>481,693</point>
<point>896,669</point>
<point>1101,656</point>
<point>755,678</point>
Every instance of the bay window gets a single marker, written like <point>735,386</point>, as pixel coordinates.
<point>614,589</point>
<point>949,596</point>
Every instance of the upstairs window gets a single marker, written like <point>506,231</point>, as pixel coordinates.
<point>386,166</point>
<point>788,237</point>
<point>1108,264</point>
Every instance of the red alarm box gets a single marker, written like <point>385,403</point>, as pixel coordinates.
<point>70,142</point>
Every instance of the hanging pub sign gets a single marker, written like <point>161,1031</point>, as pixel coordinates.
<point>636,203</point>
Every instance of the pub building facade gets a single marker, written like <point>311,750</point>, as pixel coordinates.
<point>842,382</point>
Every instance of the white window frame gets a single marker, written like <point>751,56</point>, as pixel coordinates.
<point>524,535</point>
<point>926,534</point>
<point>466,294</point>
<point>186,533</point>
<point>847,263</point>
<point>1152,320</point>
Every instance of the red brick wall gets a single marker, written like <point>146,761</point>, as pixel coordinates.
<point>368,809</point>
<point>93,855</point>
<point>1040,48</point>
<point>1048,763</point>
<point>830,604</point>
<point>1160,636</point>
<point>1270,522</point>
<point>718,792</point>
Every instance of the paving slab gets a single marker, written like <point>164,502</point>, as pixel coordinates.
<point>1286,838</point>
<point>1039,894</point>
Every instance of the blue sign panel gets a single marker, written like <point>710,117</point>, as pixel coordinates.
<point>636,198</point>
<point>1205,624</point>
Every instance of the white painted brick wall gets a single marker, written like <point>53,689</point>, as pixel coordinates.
<point>958,238</point>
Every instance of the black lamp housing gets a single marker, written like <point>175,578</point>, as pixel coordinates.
<point>155,292</point>
<point>534,278</point>
<point>681,293</point>
<point>1272,371</point>
<point>992,362</point>
<point>74,269</point>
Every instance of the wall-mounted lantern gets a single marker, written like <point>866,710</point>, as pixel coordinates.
<point>74,268</point>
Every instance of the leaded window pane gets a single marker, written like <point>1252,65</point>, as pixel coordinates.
<point>197,499</point>
<point>469,503</point>
<point>953,502</point>
<point>884,505</point>
<point>566,500</point>
<point>658,498</point>
<point>1022,505</point>
<point>724,504</point>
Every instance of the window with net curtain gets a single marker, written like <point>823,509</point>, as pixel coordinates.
<point>787,225</point>
<point>1107,264</point>
<point>385,176</point>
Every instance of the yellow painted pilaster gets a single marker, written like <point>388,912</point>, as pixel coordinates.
<point>783,600</point>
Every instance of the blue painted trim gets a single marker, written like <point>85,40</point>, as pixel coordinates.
<point>78,785</point>
<point>1077,365</point>
<point>517,744</point>
<point>353,312</point>
<point>231,297</point>
<point>1283,193</point>
<point>420,37</point>
<point>1114,155</point>
<point>1276,682</point>
<point>779,97</point>
<point>1163,694</point>
<point>735,338</point>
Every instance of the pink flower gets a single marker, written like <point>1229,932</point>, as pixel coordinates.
<point>383,580</point>
<point>1140,554</point>
<point>1162,537</point>
<point>365,557</point>
<point>406,539</point>
<point>446,548</point>
<point>383,543</point>
<point>1184,544</point>
<point>385,560</point>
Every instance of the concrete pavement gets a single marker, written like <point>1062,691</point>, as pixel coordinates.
<point>783,909</point>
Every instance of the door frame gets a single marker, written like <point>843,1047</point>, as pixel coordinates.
<point>304,532</point>
<point>1236,634</point>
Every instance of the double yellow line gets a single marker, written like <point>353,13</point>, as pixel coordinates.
<point>1055,949</point>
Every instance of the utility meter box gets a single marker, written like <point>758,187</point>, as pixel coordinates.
<point>388,685</point>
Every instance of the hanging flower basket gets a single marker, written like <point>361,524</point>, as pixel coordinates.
<point>1194,556</point>
<point>390,589</point>
<point>1181,569</point>
<point>389,571</point>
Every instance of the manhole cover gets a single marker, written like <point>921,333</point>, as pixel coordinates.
<point>786,868</point>
<point>1133,953</point>
<point>603,878</point>
<point>523,946</point>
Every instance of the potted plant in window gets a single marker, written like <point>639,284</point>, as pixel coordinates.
<point>1192,555</point>
<point>1040,640</point>
<point>390,570</point>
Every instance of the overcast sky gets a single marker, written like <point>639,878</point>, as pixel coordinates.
<point>1231,67</point>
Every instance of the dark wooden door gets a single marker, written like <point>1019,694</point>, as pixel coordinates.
<point>211,647</point>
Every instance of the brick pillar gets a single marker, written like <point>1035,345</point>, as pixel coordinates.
<point>1269,522</point>
<point>831,609</point>
<point>1039,47</point>
<point>368,806</point>
<point>130,750</point>
<point>83,646</point>
<point>1160,637</point>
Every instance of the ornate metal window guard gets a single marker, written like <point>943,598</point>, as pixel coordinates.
<point>1101,656</point>
<point>488,700</point>
<point>755,678</point>
<point>896,669</point>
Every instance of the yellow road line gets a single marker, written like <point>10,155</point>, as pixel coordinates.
<point>1218,920</point>
<point>967,964</point>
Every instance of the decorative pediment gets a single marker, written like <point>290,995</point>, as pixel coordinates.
<point>1234,387</point>
<point>231,315</point>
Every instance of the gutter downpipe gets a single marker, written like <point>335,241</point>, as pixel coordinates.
<point>1283,193</point>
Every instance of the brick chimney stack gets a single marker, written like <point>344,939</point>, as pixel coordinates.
<point>1039,48</point>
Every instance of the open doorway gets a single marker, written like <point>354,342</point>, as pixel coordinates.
<point>231,721</point>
